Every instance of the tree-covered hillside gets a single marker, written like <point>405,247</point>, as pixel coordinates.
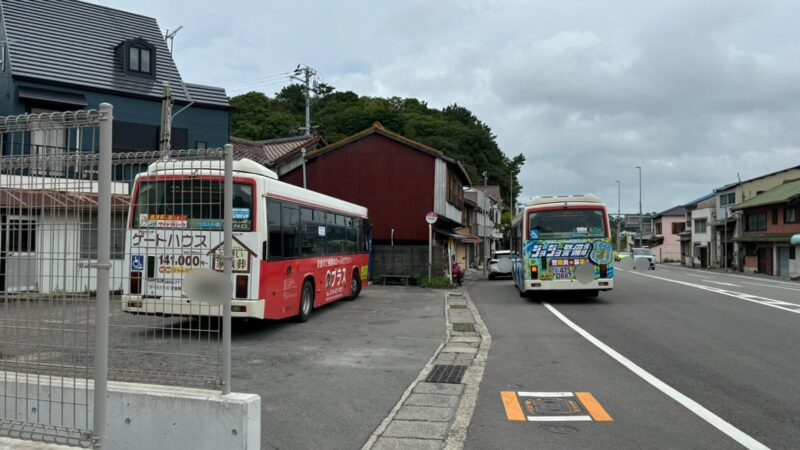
<point>454,130</point>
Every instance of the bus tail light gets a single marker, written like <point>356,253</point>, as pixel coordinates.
<point>136,282</point>
<point>603,270</point>
<point>241,286</point>
<point>534,272</point>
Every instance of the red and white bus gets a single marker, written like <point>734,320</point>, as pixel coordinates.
<point>294,249</point>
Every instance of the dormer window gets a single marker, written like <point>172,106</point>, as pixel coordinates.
<point>139,59</point>
<point>137,56</point>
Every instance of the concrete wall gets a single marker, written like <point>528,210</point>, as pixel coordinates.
<point>408,260</point>
<point>147,417</point>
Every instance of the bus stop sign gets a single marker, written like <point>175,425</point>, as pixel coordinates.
<point>431,218</point>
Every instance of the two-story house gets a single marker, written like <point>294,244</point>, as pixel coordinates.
<point>399,181</point>
<point>769,221</point>
<point>730,224</point>
<point>667,226</point>
<point>71,55</point>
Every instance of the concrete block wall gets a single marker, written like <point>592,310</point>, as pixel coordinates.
<point>407,260</point>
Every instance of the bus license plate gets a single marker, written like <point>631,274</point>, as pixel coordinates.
<point>563,273</point>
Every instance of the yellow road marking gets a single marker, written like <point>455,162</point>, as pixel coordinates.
<point>511,403</point>
<point>593,406</point>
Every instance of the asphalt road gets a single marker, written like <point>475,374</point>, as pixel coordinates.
<point>728,344</point>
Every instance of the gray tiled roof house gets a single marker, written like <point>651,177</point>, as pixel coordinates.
<point>72,54</point>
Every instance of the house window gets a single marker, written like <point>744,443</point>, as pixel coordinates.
<point>757,222</point>
<point>658,228</point>
<point>139,59</point>
<point>678,227</point>
<point>727,199</point>
<point>88,236</point>
<point>700,225</point>
<point>790,215</point>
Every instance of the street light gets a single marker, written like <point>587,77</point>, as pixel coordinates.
<point>619,208</point>
<point>640,206</point>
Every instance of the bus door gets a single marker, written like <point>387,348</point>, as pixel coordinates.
<point>280,280</point>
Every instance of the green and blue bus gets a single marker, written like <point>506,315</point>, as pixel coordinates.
<point>562,243</point>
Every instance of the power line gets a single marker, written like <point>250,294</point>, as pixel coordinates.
<point>257,86</point>
<point>259,79</point>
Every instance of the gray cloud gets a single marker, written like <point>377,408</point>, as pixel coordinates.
<point>695,92</point>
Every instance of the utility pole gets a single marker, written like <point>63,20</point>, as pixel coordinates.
<point>485,228</point>
<point>166,120</point>
<point>619,209</point>
<point>641,219</point>
<point>307,73</point>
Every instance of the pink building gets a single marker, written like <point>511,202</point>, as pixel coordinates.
<point>666,245</point>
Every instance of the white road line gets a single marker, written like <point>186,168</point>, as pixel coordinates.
<point>696,275</point>
<point>722,283</point>
<point>559,418</point>
<point>771,286</point>
<point>780,304</point>
<point>785,283</point>
<point>545,394</point>
<point>734,433</point>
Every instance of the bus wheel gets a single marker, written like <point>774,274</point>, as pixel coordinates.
<point>306,301</point>
<point>355,286</point>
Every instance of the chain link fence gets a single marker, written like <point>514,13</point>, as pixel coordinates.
<point>92,265</point>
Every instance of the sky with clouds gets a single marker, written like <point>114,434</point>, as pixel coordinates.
<point>693,92</point>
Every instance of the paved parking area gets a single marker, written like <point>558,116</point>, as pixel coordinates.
<point>330,382</point>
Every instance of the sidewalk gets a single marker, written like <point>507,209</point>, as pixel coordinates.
<point>436,409</point>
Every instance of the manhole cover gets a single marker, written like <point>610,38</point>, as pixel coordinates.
<point>443,373</point>
<point>552,407</point>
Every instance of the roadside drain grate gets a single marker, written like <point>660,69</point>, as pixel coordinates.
<point>463,327</point>
<point>444,373</point>
<point>458,306</point>
<point>552,407</point>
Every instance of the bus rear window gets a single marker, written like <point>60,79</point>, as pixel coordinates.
<point>568,223</point>
<point>191,204</point>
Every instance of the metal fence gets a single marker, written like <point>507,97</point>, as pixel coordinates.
<point>158,335</point>
<point>74,266</point>
<point>49,197</point>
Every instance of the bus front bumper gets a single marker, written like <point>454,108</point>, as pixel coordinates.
<point>602,284</point>
<point>182,306</point>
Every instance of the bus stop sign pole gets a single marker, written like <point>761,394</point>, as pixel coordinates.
<point>431,218</point>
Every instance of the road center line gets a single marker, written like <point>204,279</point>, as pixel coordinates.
<point>695,275</point>
<point>780,304</point>
<point>731,431</point>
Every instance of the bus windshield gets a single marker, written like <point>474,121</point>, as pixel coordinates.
<point>191,204</point>
<point>568,223</point>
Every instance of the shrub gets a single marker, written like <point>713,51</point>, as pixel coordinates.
<point>438,282</point>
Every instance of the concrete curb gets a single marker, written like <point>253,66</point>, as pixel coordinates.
<point>437,415</point>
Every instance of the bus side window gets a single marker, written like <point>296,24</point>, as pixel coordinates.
<point>274,224</point>
<point>290,221</point>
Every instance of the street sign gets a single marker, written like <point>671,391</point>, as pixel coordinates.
<point>431,218</point>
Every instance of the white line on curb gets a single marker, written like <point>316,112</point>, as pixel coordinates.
<point>731,431</point>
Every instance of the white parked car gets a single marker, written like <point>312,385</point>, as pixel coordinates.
<point>643,257</point>
<point>500,264</point>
